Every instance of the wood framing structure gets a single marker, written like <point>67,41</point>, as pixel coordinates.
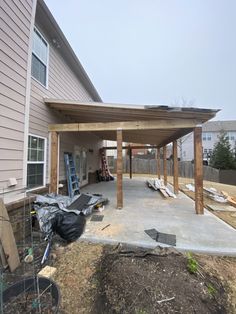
<point>164,165</point>
<point>175,167</point>
<point>198,169</point>
<point>158,152</point>
<point>156,126</point>
<point>119,170</point>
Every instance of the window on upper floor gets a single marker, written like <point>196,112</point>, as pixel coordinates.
<point>206,136</point>
<point>36,164</point>
<point>231,136</point>
<point>39,67</point>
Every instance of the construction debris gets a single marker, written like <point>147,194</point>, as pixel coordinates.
<point>47,271</point>
<point>214,195</point>
<point>231,200</point>
<point>158,185</point>
<point>219,197</point>
<point>106,227</point>
<point>190,187</point>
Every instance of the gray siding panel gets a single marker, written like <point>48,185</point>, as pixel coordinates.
<point>9,20</point>
<point>15,17</point>
<point>13,84</point>
<point>9,144</point>
<point>11,104</point>
<point>64,84</point>
<point>12,63</point>
<point>13,155</point>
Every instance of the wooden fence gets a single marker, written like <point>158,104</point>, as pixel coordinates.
<point>186,168</point>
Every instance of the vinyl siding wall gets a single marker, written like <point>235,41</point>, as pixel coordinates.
<point>15,20</point>
<point>64,84</point>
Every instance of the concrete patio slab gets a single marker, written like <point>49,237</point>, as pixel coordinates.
<point>146,209</point>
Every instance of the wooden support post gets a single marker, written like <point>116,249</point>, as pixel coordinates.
<point>198,170</point>
<point>54,162</point>
<point>119,169</point>
<point>175,168</point>
<point>158,163</point>
<point>130,162</point>
<point>164,165</point>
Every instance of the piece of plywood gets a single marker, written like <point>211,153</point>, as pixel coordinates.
<point>7,239</point>
<point>47,271</point>
<point>164,193</point>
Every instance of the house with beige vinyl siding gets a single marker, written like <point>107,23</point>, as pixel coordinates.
<point>49,106</point>
<point>37,62</point>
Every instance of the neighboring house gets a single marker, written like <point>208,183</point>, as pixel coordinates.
<point>210,132</point>
<point>36,61</point>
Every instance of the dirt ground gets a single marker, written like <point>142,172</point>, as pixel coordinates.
<point>107,279</point>
<point>99,279</point>
<point>227,216</point>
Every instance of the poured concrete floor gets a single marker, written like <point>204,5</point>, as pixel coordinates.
<point>146,209</point>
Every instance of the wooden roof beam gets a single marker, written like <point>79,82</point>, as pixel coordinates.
<point>131,125</point>
<point>131,146</point>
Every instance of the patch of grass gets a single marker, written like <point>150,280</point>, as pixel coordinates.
<point>192,264</point>
<point>211,290</point>
<point>140,311</point>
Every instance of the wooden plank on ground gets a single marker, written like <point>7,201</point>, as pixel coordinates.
<point>223,208</point>
<point>47,271</point>
<point>164,193</point>
<point>7,239</point>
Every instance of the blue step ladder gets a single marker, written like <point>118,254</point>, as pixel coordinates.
<point>72,178</point>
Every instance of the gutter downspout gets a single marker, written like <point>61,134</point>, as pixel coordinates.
<point>27,93</point>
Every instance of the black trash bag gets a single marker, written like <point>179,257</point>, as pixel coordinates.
<point>68,226</point>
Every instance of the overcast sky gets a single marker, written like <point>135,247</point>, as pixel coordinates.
<point>156,51</point>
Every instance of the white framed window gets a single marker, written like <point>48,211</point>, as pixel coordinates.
<point>231,136</point>
<point>206,136</point>
<point>36,162</point>
<point>40,52</point>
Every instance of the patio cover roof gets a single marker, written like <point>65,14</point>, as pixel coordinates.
<point>147,124</point>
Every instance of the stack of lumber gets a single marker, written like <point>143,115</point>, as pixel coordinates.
<point>158,185</point>
<point>8,251</point>
<point>215,195</point>
<point>230,200</point>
